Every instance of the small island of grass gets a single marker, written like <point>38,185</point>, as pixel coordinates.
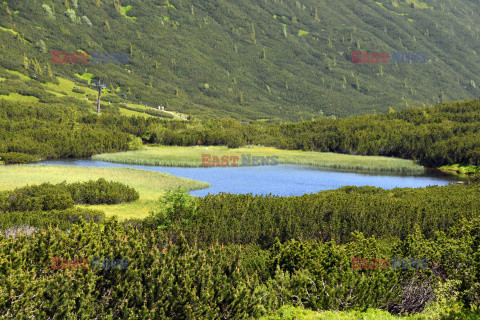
<point>192,157</point>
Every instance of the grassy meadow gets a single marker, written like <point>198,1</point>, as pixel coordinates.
<point>434,312</point>
<point>192,157</point>
<point>460,170</point>
<point>150,185</point>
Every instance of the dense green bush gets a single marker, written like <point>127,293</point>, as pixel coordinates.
<point>177,208</point>
<point>44,197</point>
<point>78,90</point>
<point>17,158</point>
<point>53,131</point>
<point>63,219</point>
<point>168,282</point>
<point>101,191</point>
<point>320,276</point>
<point>175,280</point>
<point>328,215</point>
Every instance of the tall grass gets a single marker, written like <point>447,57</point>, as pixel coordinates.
<point>191,157</point>
<point>433,312</point>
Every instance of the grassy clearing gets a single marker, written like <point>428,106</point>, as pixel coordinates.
<point>66,86</point>
<point>19,74</point>
<point>141,109</point>
<point>302,33</point>
<point>56,93</point>
<point>85,76</point>
<point>191,157</point>
<point>65,89</point>
<point>460,170</point>
<point>124,11</point>
<point>9,30</point>
<point>13,96</point>
<point>150,185</point>
<point>434,313</point>
<point>130,113</point>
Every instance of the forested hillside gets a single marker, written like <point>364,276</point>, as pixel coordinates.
<point>251,59</point>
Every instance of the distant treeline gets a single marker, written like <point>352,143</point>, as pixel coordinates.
<point>435,136</point>
<point>54,131</point>
<point>444,134</point>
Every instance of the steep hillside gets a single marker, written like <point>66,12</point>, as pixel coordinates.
<point>250,59</point>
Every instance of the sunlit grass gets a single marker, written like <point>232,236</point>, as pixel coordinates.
<point>85,76</point>
<point>302,33</point>
<point>9,30</point>
<point>131,113</point>
<point>434,312</point>
<point>419,5</point>
<point>150,185</point>
<point>124,11</point>
<point>460,169</point>
<point>66,86</point>
<point>13,96</point>
<point>191,157</point>
<point>19,74</point>
<point>141,108</point>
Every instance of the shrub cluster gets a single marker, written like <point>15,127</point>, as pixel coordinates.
<point>46,197</point>
<point>172,279</point>
<point>102,191</point>
<point>52,131</point>
<point>324,216</point>
<point>42,197</point>
<point>18,221</point>
<point>190,259</point>
<point>17,158</point>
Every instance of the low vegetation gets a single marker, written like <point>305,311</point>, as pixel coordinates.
<point>17,158</point>
<point>179,276</point>
<point>327,215</point>
<point>461,170</point>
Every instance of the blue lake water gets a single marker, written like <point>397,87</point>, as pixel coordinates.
<point>281,180</point>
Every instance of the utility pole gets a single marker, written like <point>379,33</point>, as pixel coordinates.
<point>100,86</point>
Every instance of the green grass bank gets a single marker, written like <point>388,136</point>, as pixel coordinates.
<point>192,157</point>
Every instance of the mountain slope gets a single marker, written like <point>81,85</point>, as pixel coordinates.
<point>256,59</point>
